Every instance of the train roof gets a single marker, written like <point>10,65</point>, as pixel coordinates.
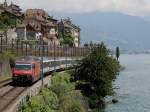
<point>28,58</point>
<point>33,59</point>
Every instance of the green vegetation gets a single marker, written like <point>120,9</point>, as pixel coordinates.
<point>6,56</point>
<point>46,101</point>
<point>8,20</point>
<point>95,75</point>
<point>66,39</point>
<point>60,97</point>
<point>5,76</point>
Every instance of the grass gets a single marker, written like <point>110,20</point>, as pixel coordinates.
<point>4,77</point>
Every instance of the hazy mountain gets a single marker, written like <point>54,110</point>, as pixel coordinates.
<point>115,29</point>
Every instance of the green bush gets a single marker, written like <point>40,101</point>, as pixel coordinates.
<point>50,98</point>
<point>46,101</point>
<point>8,56</point>
<point>69,104</point>
<point>61,84</point>
<point>68,96</point>
<point>60,97</point>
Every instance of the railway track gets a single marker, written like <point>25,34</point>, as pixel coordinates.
<point>5,82</point>
<point>9,96</point>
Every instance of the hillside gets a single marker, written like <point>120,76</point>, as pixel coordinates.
<point>129,32</point>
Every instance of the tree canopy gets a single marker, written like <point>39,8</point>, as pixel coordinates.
<point>7,21</point>
<point>98,70</point>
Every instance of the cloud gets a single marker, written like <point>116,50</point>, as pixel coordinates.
<point>130,7</point>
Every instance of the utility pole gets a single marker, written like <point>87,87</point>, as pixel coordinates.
<point>54,56</point>
<point>42,74</point>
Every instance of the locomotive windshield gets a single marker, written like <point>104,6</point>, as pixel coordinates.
<point>23,66</point>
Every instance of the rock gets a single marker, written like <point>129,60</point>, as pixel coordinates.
<point>114,101</point>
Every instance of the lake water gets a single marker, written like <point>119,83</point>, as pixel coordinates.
<point>134,84</point>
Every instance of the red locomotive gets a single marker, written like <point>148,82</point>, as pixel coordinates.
<point>27,70</point>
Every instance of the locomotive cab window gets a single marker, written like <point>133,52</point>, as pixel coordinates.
<point>23,66</point>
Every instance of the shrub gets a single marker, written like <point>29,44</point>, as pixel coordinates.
<point>8,56</point>
<point>68,104</point>
<point>60,97</point>
<point>61,84</point>
<point>46,101</point>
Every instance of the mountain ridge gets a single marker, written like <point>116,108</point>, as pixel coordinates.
<point>130,33</point>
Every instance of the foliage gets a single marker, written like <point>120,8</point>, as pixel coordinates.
<point>50,98</point>
<point>65,89</point>
<point>66,39</point>
<point>60,97</point>
<point>7,21</point>
<point>69,104</point>
<point>8,56</point>
<point>61,84</point>
<point>96,73</point>
<point>47,101</point>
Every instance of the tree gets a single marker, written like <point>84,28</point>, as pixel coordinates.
<point>8,20</point>
<point>91,44</point>
<point>86,45</point>
<point>68,39</point>
<point>117,53</point>
<point>97,71</point>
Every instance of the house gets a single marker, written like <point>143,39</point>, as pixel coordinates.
<point>26,32</point>
<point>66,26</point>
<point>39,24</point>
<point>13,9</point>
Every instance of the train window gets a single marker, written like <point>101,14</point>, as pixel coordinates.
<point>47,64</point>
<point>52,63</point>
<point>23,66</point>
<point>56,63</point>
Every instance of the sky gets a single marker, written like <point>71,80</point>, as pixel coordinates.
<point>139,8</point>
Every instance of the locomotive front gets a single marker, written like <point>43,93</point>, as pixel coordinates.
<point>22,72</point>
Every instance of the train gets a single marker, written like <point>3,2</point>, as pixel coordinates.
<point>28,70</point>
